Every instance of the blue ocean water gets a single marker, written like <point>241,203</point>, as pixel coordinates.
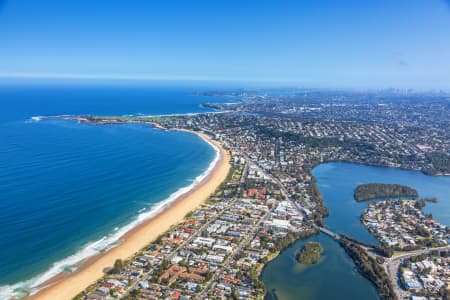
<point>68,190</point>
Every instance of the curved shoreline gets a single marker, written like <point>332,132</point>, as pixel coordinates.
<point>67,286</point>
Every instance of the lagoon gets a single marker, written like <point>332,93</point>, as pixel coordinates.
<point>335,276</point>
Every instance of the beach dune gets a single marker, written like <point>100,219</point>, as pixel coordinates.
<point>68,286</point>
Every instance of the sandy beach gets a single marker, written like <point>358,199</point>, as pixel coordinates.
<point>68,286</point>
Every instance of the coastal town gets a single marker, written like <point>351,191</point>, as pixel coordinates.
<point>270,200</point>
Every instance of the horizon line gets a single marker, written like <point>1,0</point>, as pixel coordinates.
<point>20,75</point>
<point>143,78</point>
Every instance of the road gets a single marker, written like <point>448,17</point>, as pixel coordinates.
<point>418,252</point>
<point>392,265</point>
<point>330,233</point>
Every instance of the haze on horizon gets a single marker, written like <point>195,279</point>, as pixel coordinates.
<point>404,43</point>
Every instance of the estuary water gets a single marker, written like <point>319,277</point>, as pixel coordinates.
<point>335,277</point>
<point>68,190</point>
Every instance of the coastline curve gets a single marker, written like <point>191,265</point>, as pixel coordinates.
<point>124,241</point>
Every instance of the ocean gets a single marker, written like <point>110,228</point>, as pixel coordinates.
<point>69,190</point>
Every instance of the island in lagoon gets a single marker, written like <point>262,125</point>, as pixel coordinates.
<point>370,191</point>
<point>310,253</point>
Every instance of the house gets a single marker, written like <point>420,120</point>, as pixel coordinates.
<point>225,249</point>
<point>95,296</point>
<point>215,258</point>
<point>278,225</point>
<point>208,242</point>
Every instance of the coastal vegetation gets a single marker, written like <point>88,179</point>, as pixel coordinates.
<point>285,242</point>
<point>310,253</point>
<point>118,266</point>
<point>420,203</point>
<point>322,210</point>
<point>439,164</point>
<point>371,191</point>
<point>370,268</point>
<point>124,119</point>
<point>292,237</point>
<point>429,199</point>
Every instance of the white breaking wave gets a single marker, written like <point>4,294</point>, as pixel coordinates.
<point>33,285</point>
<point>33,119</point>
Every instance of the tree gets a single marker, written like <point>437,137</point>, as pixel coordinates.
<point>239,275</point>
<point>164,264</point>
<point>118,266</point>
<point>235,295</point>
<point>310,253</point>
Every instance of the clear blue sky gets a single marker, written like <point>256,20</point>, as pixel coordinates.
<point>370,43</point>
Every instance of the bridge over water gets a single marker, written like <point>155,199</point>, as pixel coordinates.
<point>330,233</point>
